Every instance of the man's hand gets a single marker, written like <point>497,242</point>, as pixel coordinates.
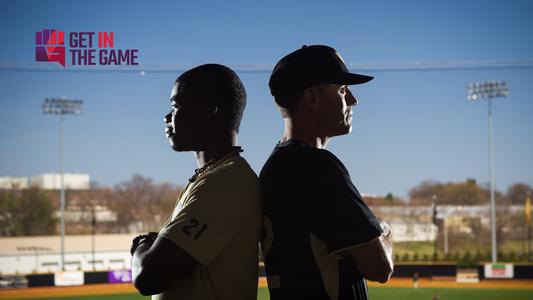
<point>385,227</point>
<point>386,241</point>
<point>149,238</point>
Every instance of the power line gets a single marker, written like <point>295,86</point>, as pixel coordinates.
<point>414,66</point>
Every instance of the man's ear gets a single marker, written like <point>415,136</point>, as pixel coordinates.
<point>310,99</point>
<point>211,111</point>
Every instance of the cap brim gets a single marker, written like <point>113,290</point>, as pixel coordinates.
<point>352,78</point>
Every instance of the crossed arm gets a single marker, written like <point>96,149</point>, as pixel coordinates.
<point>374,258</point>
<point>156,263</point>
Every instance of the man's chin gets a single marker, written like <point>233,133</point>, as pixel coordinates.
<point>178,148</point>
<point>343,131</point>
<point>348,128</point>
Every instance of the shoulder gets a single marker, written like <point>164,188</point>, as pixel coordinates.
<point>320,162</point>
<point>233,172</point>
<point>298,167</point>
<point>295,154</point>
<point>233,180</point>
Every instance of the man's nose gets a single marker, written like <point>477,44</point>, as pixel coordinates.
<point>168,118</point>
<point>350,99</point>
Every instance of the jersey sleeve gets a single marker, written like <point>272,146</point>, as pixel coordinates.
<point>331,206</point>
<point>212,215</point>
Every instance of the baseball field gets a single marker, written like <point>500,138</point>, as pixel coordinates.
<point>398,289</point>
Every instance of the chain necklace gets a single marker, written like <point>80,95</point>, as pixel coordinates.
<point>213,162</point>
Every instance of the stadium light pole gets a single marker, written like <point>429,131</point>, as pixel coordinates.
<point>434,219</point>
<point>93,225</point>
<point>62,107</point>
<point>488,90</point>
<point>527,212</point>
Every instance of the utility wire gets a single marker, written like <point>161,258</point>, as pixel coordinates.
<point>415,66</point>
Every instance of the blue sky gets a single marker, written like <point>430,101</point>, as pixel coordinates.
<point>410,126</point>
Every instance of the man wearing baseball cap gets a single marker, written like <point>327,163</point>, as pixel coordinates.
<point>320,239</point>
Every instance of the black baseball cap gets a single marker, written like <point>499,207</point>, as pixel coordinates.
<point>311,65</point>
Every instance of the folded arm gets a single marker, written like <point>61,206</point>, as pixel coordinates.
<point>156,263</point>
<point>374,258</point>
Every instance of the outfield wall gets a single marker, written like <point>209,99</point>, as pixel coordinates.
<point>41,254</point>
<point>121,276</point>
<point>74,261</point>
<point>450,270</point>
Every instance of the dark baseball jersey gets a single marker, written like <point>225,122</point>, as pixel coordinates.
<point>312,214</point>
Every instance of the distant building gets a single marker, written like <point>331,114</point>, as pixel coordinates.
<point>78,214</point>
<point>52,181</point>
<point>413,231</point>
<point>11,182</point>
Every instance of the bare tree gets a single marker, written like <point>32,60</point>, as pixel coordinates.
<point>142,205</point>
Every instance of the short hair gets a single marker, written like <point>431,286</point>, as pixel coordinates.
<point>288,101</point>
<point>219,85</point>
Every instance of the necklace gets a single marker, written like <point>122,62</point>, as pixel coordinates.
<point>213,162</point>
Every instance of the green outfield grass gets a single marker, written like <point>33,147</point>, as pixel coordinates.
<point>381,293</point>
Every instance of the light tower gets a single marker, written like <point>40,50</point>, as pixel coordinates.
<point>488,90</point>
<point>62,107</point>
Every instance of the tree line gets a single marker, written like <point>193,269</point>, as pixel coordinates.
<point>140,205</point>
<point>468,192</point>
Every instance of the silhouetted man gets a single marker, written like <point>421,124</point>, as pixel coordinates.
<point>208,247</point>
<point>320,239</point>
